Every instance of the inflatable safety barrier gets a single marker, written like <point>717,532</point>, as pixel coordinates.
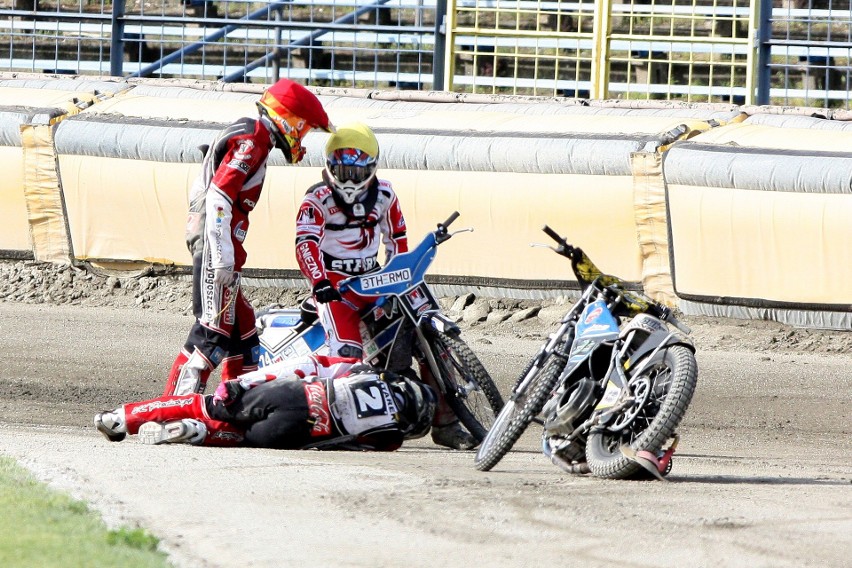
<point>759,218</point>
<point>693,203</point>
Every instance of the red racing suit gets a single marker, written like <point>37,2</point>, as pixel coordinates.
<point>221,199</point>
<point>312,402</point>
<point>330,244</point>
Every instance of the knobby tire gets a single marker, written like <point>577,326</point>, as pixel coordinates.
<point>675,373</point>
<point>458,365</point>
<point>518,413</point>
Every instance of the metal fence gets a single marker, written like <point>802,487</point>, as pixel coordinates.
<point>807,53</point>
<point>791,52</point>
<point>606,49</point>
<point>325,42</point>
<point>787,52</point>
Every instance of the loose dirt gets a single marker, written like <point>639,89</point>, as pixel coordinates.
<point>761,478</point>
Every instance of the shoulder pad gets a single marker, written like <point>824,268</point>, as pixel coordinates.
<point>315,187</point>
<point>385,188</point>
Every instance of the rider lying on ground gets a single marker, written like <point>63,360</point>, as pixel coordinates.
<point>310,402</point>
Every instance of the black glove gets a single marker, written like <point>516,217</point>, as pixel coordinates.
<point>324,292</point>
<point>228,392</point>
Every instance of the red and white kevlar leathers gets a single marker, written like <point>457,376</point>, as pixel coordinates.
<point>227,190</point>
<point>222,196</point>
<point>329,245</point>
<point>321,366</point>
<point>172,408</point>
<point>221,199</point>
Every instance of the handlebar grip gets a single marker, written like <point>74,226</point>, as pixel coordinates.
<point>449,220</point>
<point>553,235</point>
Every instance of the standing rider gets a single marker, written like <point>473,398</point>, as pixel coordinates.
<point>221,199</point>
<point>339,228</point>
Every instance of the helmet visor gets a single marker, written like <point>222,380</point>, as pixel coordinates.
<point>351,165</point>
<point>291,127</point>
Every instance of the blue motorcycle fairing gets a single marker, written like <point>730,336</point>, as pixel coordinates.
<point>286,320</point>
<point>597,321</point>
<point>595,325</point>
<point>397,276</point>
<point>401,278</point>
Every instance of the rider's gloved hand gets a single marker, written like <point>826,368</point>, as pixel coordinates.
<point>224,276</point>
<point>228,392</point>
<point>324,292</point>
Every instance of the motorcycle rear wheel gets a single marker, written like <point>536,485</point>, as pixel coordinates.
<point>476,408</point>
<point>674,374</point>
<point>518,413</point>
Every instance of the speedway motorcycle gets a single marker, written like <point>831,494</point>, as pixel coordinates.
<point>609,387</point>
<point>404,322</point>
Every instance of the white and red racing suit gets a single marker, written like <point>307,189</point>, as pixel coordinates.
<point>221,199</point>
<point>331,244</point>
<point>311,402</point>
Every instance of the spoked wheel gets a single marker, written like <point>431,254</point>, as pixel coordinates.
<point>663,392</point>
<point>470,391</point>
<point>519,411</point>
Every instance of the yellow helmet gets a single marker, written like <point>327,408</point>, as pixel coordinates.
<point>351,156</point>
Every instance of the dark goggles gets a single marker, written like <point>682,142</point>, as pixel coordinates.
<point>351,164</point>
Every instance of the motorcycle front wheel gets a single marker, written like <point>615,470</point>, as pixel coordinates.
<point>670,378</point>
<point>519,412</point>
<point>470,390</point>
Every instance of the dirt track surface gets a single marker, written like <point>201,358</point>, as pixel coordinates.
<point>761,478</point>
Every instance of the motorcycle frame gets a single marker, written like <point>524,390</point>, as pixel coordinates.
<point>427,313</point>
<point>400,292</point>
<point>414,297</point>
<point>606,388</point>
<point>566,328</point>
<point>645,350</point>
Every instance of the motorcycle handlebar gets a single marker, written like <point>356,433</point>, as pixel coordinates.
<point>553,235</point>
<point>442,234</point>
<point>665,313</point>
<point>450,219</point>
<point>564,248</point>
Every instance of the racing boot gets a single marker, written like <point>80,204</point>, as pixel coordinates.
<point>454,436</point>
<point>111,424</point>
<point>447,431</point>
<point>188,431</point>
<point>189,374</point>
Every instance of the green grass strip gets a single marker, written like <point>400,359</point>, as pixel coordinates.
<point>44,528</point>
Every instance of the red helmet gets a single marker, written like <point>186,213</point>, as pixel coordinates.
<point>290,111</point>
